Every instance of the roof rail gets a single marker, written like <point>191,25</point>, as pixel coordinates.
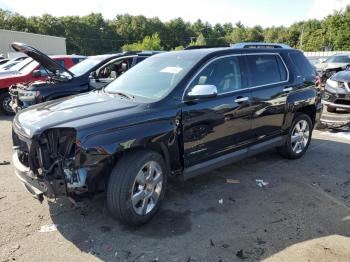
<point>204,46</point>
<point>260,45</point>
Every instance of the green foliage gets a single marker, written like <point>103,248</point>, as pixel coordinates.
<point>92,34</point>
<point>178,48</point>
<point>148,43</point>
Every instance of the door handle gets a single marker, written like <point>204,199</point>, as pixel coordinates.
<point>241,99</point>
<point>287,89</point>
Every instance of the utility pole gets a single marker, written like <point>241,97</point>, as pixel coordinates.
<point>301,38</point>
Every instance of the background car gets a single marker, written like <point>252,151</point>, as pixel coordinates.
<point>337,92</point>
<point>335,61</point>
<point>31,70</point>
<point>93,73</point>
<point>11,63</point>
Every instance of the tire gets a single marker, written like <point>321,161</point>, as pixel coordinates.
<point>290,149</point>
<point>5,107</point>
<point>129,188</point>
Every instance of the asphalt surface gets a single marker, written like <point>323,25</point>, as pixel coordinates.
<point>303,214</point>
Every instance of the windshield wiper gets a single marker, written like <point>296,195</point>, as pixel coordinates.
<point>130,97</point>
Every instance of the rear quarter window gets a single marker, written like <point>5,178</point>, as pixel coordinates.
<point>303,66</point>
<point>265,69</point>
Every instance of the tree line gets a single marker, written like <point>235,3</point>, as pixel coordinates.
<point>92,34</point>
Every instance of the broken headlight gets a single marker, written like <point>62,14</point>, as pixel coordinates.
<point>335,84</point>
<point>25,95</point>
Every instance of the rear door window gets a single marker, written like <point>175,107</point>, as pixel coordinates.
<point>265,69</point>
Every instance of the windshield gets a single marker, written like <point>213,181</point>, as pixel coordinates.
<point>339,59</point>
<point>84,66</point>
<point>154,77</point>
<point>22,64</point>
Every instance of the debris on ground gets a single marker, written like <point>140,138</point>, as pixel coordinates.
<point>4,163</point>
<point>27,224</point>
<point>1,197</point>
<point>261,183</point>
<point>232,181</point>
<point>212,243</point>
<point>188,259</point>
<point>15,248</point>
<point>48,228</point>
<point>240,254</point>
<point>221,201</point>
<point>260,241</point>
<point>225,245</point>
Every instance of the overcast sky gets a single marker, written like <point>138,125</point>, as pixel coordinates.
<point>249,12</point>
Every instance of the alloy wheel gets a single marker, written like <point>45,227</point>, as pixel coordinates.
<point>300,136</point>
<point>147,188</point>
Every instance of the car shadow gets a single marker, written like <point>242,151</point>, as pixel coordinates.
<point>5,117</point>
<point>226,215</point>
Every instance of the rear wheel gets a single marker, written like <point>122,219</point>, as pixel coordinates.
<point>331,109</point>
<point>5,107</point>
<point>298,138</point>
<point>136,187</point>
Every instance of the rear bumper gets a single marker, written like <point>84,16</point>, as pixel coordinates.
<point>35,185</point>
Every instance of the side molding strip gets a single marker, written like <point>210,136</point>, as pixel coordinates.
<point>232,157</point>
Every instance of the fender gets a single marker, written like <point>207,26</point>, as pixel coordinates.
<point>59,94</point>
<point>300,99</point>
<point>98,152</point>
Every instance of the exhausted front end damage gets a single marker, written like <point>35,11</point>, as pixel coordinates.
<point>47,164</point>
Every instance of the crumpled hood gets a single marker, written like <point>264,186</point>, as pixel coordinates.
<point>74,111</point>
<point>343,76</point>
<point>41,58</point>
<point>325,66</point>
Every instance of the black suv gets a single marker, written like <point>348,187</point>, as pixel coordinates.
<point>176,114</point>
<point>93,73</point>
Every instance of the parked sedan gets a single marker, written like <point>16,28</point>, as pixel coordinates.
<point>337,92</point>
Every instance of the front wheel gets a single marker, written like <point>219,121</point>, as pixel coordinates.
<point>298,138</point>
<point>136,187</point>
<point>5,106</point>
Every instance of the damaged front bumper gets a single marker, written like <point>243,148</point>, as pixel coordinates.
<point>38,186</point>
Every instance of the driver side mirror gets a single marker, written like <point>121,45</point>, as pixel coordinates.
<point>202,91</point>
<point>93,75</point>
<point>36,73</point>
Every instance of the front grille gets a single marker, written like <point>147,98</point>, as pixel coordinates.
<point>342,102</point>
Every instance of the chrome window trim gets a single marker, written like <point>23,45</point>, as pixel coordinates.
<point>243,89</point>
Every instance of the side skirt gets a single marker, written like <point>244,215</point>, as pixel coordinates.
<point>232,157</point>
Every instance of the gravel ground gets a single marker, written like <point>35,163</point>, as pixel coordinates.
<point>303,214</point>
